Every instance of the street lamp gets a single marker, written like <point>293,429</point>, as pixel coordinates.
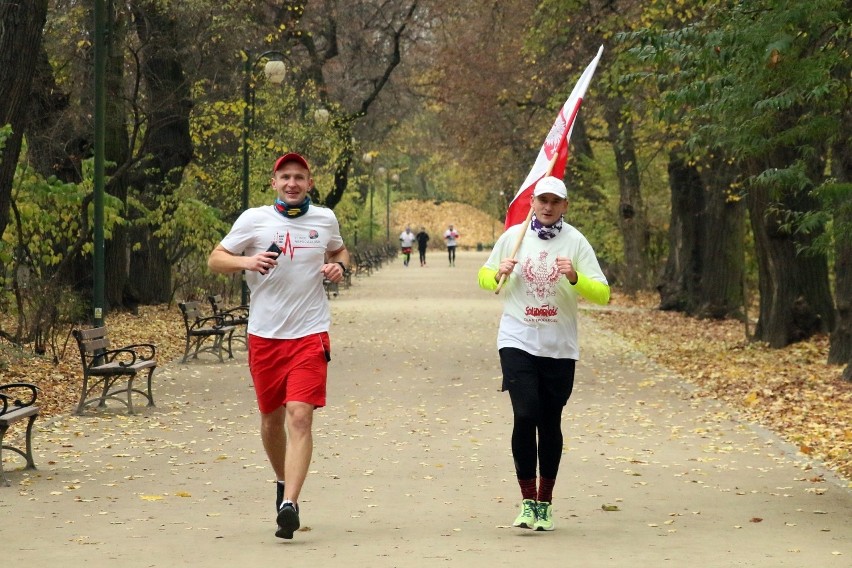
<point>274,72</point>
<point>395,179</point>
<point>368,159</point>
<point>321,116</point>
<point>383,172</point>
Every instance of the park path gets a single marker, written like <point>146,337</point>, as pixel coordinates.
<point>412,466</point>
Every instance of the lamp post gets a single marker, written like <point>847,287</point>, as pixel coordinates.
<point>498,199</point>
<point>274,71</point>
<point>383,172</point>
<point>368,159</point>
<point>395,179</point>
<point>99,267</point>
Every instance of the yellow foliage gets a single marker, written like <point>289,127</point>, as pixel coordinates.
<point>474,226</point>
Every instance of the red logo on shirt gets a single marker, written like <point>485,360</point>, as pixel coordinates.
<point>289,247</point>
<point>545,311</point>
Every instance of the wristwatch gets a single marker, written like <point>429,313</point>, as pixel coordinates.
<point>342,266</point>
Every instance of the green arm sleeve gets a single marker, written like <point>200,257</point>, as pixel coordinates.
<point>487,279</point>
<point>592,290</point>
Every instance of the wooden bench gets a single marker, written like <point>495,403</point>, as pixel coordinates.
<point>331,288</point>
<point>347,278</point>
<point>13,409</point>
<point>200,330</point>
<point>110,373</point>
<point>363,265</point>
<point>237,317</point>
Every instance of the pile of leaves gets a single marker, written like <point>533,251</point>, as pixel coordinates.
<point>791,391</point>
<point>473,225</point>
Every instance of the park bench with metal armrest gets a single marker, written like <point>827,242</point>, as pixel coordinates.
<point>205,334</point>
<point>236,316</point>
<point>110,373</point>
<point>17,401</point>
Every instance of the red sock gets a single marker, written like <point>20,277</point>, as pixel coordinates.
<point>545,489</point>
<point>527,488</point>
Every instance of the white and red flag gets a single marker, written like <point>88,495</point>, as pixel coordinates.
<point>555,146</point>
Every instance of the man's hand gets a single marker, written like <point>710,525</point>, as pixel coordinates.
<point>332,271</point>
<point>262,262</point>
<point>507,266</point>
<point>566,267</point>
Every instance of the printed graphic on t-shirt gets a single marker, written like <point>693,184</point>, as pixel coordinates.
<point>541,278</point>
<point>288,243</point>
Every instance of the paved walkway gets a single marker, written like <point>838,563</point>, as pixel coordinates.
<point>412,464</point>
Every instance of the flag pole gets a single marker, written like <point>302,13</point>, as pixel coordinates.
<point>526,223</point>
<point>533,178</point>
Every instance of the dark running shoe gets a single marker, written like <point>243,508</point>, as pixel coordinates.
<point>288,521</point>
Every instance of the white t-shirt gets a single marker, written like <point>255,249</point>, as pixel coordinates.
<point>289,302</point>
<point>450,237</point>
<point>407,238</point>
<point>539,304</point>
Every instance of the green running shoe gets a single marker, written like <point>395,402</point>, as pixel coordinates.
<point>544,516</point>
<point>526,519</point>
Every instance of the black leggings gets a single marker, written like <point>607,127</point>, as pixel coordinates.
<point>451,252</point>
<point>539,387</point>
<point>422,255</point>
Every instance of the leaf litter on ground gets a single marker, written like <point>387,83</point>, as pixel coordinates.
<point>791,391</point>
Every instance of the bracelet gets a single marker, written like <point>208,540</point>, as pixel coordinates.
<point>342,266</point>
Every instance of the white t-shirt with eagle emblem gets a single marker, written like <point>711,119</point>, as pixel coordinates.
<point>540,305</point>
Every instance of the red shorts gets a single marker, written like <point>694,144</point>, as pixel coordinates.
<point>285,370</point>
<point>406,250</point>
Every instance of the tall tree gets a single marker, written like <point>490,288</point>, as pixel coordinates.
<point>118,155</point>
<point>704,269</point>
<point>632,219</point>
<point>492,116</point>
<point>348,51</point>
<point>680,282</point>
<point>21,25</point>
<point>563,29</point>
<point>756,80</point>
<point>167,143</point>
<point>840,201</point>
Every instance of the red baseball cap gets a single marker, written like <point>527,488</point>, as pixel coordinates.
<point>290,157</point>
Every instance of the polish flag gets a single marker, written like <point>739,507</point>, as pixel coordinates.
<point>553,155</point>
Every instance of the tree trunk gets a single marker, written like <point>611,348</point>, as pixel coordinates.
<point>149,283</point>
<point>721,270</point>
<point>21,25</point>
<point>678,287</point>
<point>795,301</point>
<point>840,351</point>
<point>49,131</point>
<point>704,270</point>
<point>117,151</point>
<point>581,175</point>
<point>168,144</point>
<point>631,211</point>
<point>58,147</point>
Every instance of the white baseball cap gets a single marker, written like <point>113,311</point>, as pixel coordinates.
<point>552,185</point>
